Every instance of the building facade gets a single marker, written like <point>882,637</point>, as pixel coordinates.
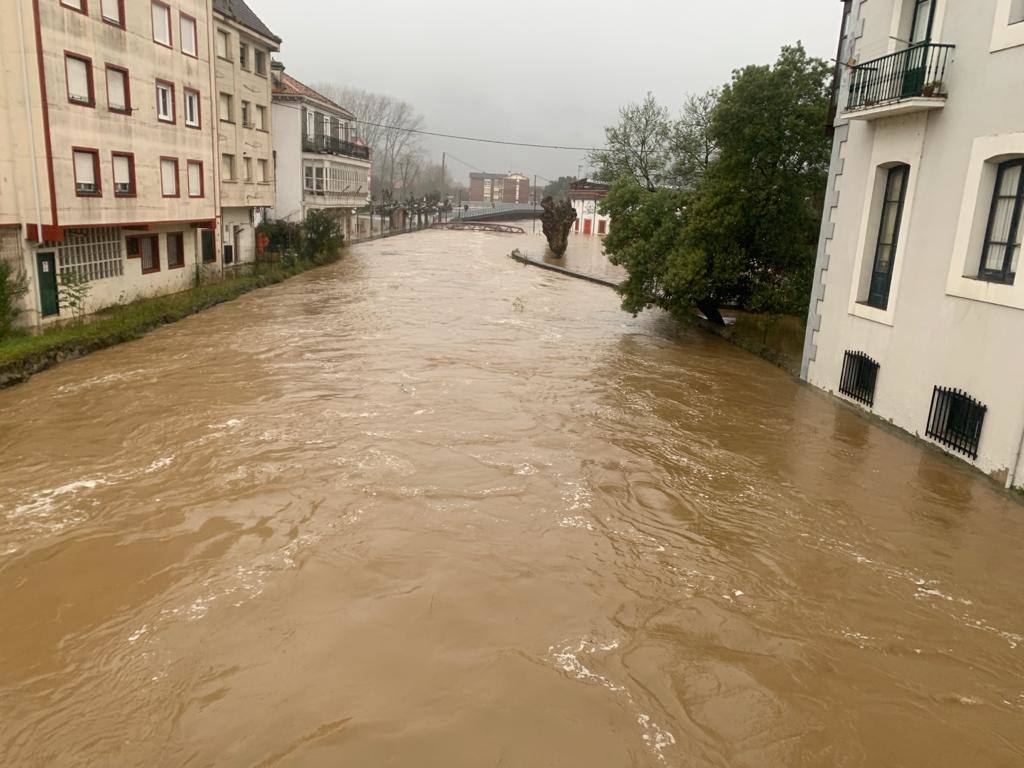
<point>106,148</point>
<point>245,163</point>
<point>585,196</point>
<point>321,163</point>
<point>917,308</point>
<point>499,188</point>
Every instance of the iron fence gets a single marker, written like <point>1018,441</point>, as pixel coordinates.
<point>955,420</point>
<point>335,146</point>
<point>920,70</point>
<point>860,374</point>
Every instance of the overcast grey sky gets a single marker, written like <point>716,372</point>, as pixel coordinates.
<point>537,71</point>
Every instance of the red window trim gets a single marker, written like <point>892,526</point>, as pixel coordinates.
<point>177,177</point>
<point>199,108</point>
<point>84,10</point>
<point>127,90</point>
<point>180,237</point>
<point>195,33</point>
<point>131,173</point>
<point>120,9</point>
<point>174,102</point>
<point>156,251</point>
<point>95,171</point>
<point>91,104</point>
<point>202,179</point>
<point>170,28</point>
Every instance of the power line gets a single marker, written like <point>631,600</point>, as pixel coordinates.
<point>479,140</point>
<point>468,165</point>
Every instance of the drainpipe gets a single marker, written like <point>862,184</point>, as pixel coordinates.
<point>31,127</point>
<point>1011,476</point>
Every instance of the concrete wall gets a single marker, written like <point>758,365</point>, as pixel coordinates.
<point>287,142</point>
<point>940,328</point>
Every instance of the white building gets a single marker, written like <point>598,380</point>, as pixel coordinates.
<point>242,46</point>
<point>321,164</point>
<point>917,311</point>
<point>585,196</point>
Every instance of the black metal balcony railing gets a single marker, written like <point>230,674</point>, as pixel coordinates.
<point>331,145</point>
<point>917,71</point>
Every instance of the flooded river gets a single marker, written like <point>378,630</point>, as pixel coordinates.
<point>429,507</point>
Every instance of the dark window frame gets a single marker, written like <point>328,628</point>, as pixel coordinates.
<point>931,21</point>
<point>136,240</point>
<point>955,420</point>
<point>179,239</point>
<point>170,24</point>
<point>880,283</point>
<point>202,179</point>
<point>89,80</point>
<point>131,174</point>
<point>127,89</point>
<point>1003,275</point>
<point>97,180</point>
<point>177,176</point>
<point>120,11</point>
<point>195,34</point>
<point>859,378</point>
<point>84,10</point>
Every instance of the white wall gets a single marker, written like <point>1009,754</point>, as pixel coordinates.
<point>287,137</point>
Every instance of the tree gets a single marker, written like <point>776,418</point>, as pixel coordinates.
<point>13,286</point>
<point>559,190</point>
<point>639,146</point>
<point>322,236</point>
<point>692,145</point>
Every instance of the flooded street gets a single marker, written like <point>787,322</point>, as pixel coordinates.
<point>430,507</point>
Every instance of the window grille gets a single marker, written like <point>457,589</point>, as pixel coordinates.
<point>860,373</point>
<point>955,420</point>
<point>91,254</point>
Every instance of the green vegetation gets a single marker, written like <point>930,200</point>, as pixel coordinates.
<point>13,285</point>
<point>721,208</point>
<point>559,190</point>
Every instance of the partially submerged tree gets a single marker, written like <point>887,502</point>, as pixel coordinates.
<point>556,221</point>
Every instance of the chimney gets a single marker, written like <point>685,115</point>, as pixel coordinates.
<point>276,72</point>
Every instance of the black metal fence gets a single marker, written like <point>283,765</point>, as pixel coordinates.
<point>335,146</point>
<point>955,420</point>
<point>860,374</point>
<point>920,70</point>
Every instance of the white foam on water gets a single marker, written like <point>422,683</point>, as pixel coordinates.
<point>655,737</point>
<point>576,521</point>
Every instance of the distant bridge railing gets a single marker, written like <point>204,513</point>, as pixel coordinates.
<point>478,211</point>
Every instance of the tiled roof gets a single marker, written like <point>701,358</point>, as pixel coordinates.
<point>244,15</point>
<point>289,86</point>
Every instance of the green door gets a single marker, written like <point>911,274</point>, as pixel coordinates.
<point>46,268</point>
<point>209,252</point>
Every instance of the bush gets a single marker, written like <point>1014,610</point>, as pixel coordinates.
<point>13,285</point>
<point>323,236</point>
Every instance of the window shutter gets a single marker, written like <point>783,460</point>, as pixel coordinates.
<point>122,171</point>
<point>161,24</point>
<point>195,180</point>
<point>116,90</point>
<point>188,35</point>
<point>111,10</point>
<point>78,79</point>
<point>168,177</point>
<point>85,170</point>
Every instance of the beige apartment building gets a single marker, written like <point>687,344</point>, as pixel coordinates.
<point>107,147</point>
<point>321,163</point>
<point>242,48</point>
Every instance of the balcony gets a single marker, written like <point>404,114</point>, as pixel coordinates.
<point>912,80</point>
<point>329,145</point>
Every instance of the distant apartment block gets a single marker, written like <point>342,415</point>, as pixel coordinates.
<point>917,308</point>
<point>107,148</point>
<point>321,163</point>
<point>499,188</point>
<point>245,163</point>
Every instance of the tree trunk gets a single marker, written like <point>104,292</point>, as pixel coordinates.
<point>709,308</point>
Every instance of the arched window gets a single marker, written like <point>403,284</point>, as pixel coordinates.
<point>1003,235</point>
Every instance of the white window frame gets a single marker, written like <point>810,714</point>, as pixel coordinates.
<point>129,162</point>
<point>1005,34</point>
<point>161,115</point>
<point>193,99</point>
<point>93,156</point>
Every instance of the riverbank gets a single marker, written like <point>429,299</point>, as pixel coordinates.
<point>24,355</point>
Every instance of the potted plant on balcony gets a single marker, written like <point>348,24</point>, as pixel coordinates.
<point>934,88</point>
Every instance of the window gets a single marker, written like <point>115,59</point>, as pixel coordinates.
<point>310,117</point>
<point>175,250</point>
<point>79,74</point>
<point>75,5</point>
<point>326,125</point>
<point>921,24</point>
<point>243,55</point>
<point>246,114</point>
<point>262,167</point>
<point>261,117</point>
<point>189,40</point>
<point>161,23</point>
<point>226,108</point>
<point>259,61</point>
<point>118,90</point>
<point>195,179</point>
<point>1003,236</point>
<point>308,178</point>
<point>223,44</point>
<point>1016,11</point>
<point>860,373</point>
<point>888,236</point>
<point>165,101</point>
<point>113,12</point>
<point>169,176</point>
<point>955,420</point>
<point>227,167</point>
<point>147,249</point>
<point>247,162</point>
<point>124,173</point>
<point>192,109</point>
<point>318,174</point>
<point>87,172</point>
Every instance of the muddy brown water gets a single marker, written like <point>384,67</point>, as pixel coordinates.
<point>430,507</point>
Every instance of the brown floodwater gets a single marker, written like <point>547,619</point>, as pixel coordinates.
<point>430,507</point>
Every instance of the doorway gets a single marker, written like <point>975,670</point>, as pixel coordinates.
<point>46,269</point>
<point>586,226</point>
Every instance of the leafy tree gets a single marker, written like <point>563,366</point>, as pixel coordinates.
<point>693,148</point>
<point>639,146</point>
<point>323,237</point>
<point>13,285</point>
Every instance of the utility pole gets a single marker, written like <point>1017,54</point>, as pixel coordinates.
<point>444,178</point>
<point>535,203</point>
